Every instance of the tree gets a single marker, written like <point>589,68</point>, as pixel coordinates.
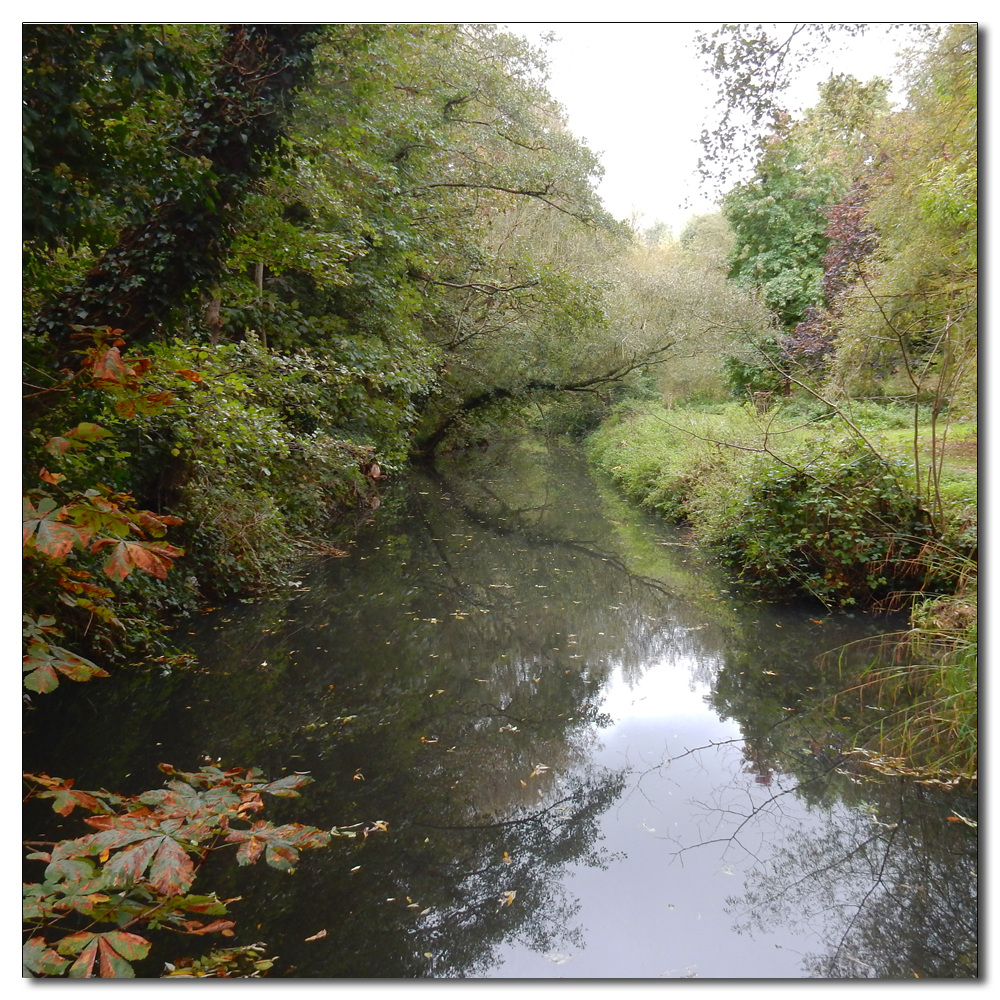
<point>754,64</point>
<point>224,136</point>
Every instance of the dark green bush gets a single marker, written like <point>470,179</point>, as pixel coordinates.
<point>842,528</point>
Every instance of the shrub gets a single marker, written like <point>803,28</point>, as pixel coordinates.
<point>841,527</point>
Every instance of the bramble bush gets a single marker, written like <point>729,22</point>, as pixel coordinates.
<point>841,526</point>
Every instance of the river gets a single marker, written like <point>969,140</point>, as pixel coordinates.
<point>592,754</point>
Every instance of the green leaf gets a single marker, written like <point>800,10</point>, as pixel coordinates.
<point>285,787</point>
<point>37,956</point>
<point>44,659</point>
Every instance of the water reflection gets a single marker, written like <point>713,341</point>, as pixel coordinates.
<point>516,671</point>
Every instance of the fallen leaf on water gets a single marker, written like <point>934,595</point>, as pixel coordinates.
<point>507,858</point>
<point>317,935</point>
<point>508,898</point>
<point>956,817</point>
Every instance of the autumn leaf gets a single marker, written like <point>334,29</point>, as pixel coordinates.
<point>109,366</point>
<point>79,437</point>
<point>171,871</point>
<point>156,524</point>
<point>66,798</point>
<point>281,843</point>
<point>317,936</point>
<point>285,787</point>
<point>128,555</point>
<point>88,432</point>
<point>45,524</point>
<point>45,662</point>
<point>37,956</point>
<point>196,927</point>
<point>55,478</point>
<point>188,374</point>
<point>116,950</point>
<point>155,402</point>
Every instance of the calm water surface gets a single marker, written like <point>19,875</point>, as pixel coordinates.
<point>593,758</point>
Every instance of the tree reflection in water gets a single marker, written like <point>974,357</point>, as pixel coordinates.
<point>882,869</point>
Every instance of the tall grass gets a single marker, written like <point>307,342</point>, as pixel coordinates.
<point>918,702</point>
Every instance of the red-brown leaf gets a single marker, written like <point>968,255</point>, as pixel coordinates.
<point>152,559</point>
<point>109,366</point>
<point>213,928</point>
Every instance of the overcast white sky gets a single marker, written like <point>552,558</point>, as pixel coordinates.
<point>639,95</point>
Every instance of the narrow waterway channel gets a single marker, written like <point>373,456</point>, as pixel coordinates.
<point>592,755</point>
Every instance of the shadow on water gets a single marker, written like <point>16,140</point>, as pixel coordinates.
<point>592,754</point>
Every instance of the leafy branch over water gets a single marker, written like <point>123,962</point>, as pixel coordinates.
<point>136,871</point>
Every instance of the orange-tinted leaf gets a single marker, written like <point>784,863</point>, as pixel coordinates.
<point>282,842</point>
<point>66,799</point>
<point>171,871</point>
<point>42,679</point>
<point>214,927</point>
<point>60,445</point>
<point>156,524</point>
<point>56,539</point>
<point>130,946</point>
<point>113,966</point>
<point>88,432</point>
<point>155,402</point>
<point>152,559</point>
<point>43,659</point>
<point>114,947</point>
<point>108,366</point>
<point>37,956</point>
<point>189,375</point>
<point>55,478</point>
<point>83,967</point>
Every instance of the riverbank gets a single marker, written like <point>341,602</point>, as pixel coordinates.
<point>796,505</point>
